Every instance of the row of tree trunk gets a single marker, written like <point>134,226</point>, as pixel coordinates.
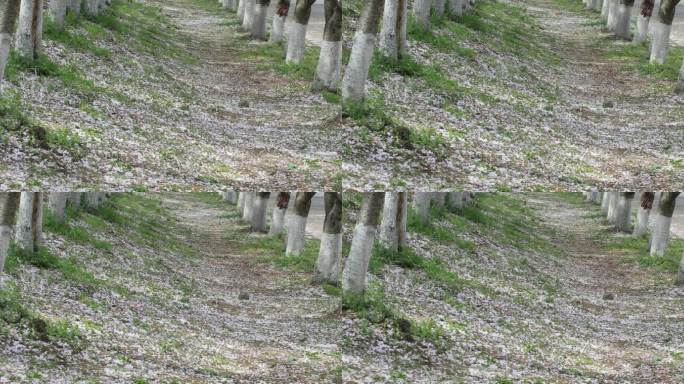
<point>386,18</point>
<point>617,207</point>
<point>21,216</point>
<point>23,19</point>
<point>617,14</point>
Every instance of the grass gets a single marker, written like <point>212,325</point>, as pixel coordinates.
<point>76,234</point>
<point>271,56</point>
<point>72,39</point>
<point>635,249</point>
<point>633,57</point>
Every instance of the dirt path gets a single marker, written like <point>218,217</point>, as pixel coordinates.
<point>636,336</point>
<point>630,119</point>
<point>285,331</point>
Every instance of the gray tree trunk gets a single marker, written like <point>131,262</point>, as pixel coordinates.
<point>624,15</point>
<point>259,211</point>
<point>679,88</point>
<point>30,28</point>
<point>680,272</point>
<point>329,67</point>
<point>455,7</point>
<point>605,202</point>
<point>8,20</point>
<point>604,10</point>
<point>279,210</point>
<point>296,39</point>
<point>57,10</point>
<point>57,205</point>
<point>241,11</point>
<point>329,262</point>
<point>74,200</point>
<point>438,6</point>
<point>421,205</point>
<point>356,266</point>
<point>661,228</point>
<point>248,17</point>
<point>623,213</point>
<point>296,226</point>
<point>241,203</point>
<point>259,21</point>
<point>9,203</point>
<point>612,207</point>
<point>612,15</point>
<point>439,199</point>
<point>392,41</point>
<point>249,206</point>
<point>28,233</point>
<point>354,81</point>
<point>278,27</point>
<point>394,217</point>
<point>421,12</point>
<point>643,213</point>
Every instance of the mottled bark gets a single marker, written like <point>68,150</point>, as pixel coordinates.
<point>57,10</point>
<point>28,233</point>
<point>30,28</point>
<point>278,27</point>
<point>259,21</point>
<point>421,12</point>
<point>661,228</point>
<point>329,67</point>
<point>356,266</point>
<point>329,262</point>
<point>394,217</point>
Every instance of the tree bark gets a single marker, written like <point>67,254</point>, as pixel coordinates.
<point>57,206</point>
<point>278,27</point>
<point>296,228</point>
<point>421,205</point>
<point>30,28</point>
<point>241,11</point>
<point>249,206</point>
<point>296,39</point>
<point>74,200</point>
<point>645,12</point>
<point>392,41</point>
<point>661,229</point>
<point>259,211</point>
<point>605,202</point>
<point>643,213</point>
<point>259,22</point>
<point>623,213</point>
<point>329,67</point>
<point>28,230</point>
<point>394,218</point>
<point>623,17</point>
<point>421,12</point>
<point>278,219</point>
<point>455,7</point>
<point>438,6</point>
<point>241,203</point>
<point>356,266</point>
<point>8,20</point>
<point>248,17</point>
<point>9,202</point>
<point>612,207</point>
<point>604,10</point>
<point>679,88</point>
<point>439,199</point>
<point>661,31</point>
<point>57,10</point>
<point>354,81</point>
<point>329,260</point>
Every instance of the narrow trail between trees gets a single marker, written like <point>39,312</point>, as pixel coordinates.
<point>634,336</point>
<point>273,325</point>
<point>631,119</point>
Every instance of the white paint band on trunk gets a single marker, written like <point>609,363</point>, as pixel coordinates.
<point>277,221</point>
<point>660,42</point>
<point>330,64</point>
<point>296,42</point>
<point>642,221</point>
<point>356,267</point>
<point>329,257</point>
<point>259,22</point>
<point>661,235</point>
<point>278,29</point>
<point>641,29</point>
<point>296,228</point>
<point>354,83</point>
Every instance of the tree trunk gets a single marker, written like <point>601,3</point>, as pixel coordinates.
<point>329,67</point>
<point>680,272</point>
<point>93,199</point>
<point>354,82</point>
<point>643,213</point>
<point>241,203</point>
<point>623,214</point>
<point>8,20</point>
<point>661,229</point>
<point>241,11</point>
<point>421,12</point>
<point>278,27</point>
<point>259,22</point>
<point>27,235</point>
<point>612,207</point>
<point>605,202</point>
<point>612,15</point>
<point>590,4</point>
<point>438,6</point>
<point>439,199</point>
<point>604,10</point>
<point>356,267</point>
<point>74,200</point>
<point>455,7</point>
<point>392,41</point>
<point>57,206</point>
<point>30,28</point>
<point>259,211</point>
<point>248,18</point>
<point>9,202</point>
<point>278,219</point>
<point>421,205</point>
<point>74,7</point>
<point>296,227</point>
<point>645,11</point>
<point>296,39</point>
<point>661,31</point>
<point>624,15</point>
<point>57,10</point>
<point>329,260</point>
<point>598,5</point>
<point>394,217</point>
<point>249,206</point>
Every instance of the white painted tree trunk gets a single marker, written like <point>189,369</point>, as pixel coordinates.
<point>93,199</point>
<point>296,234</point>
<point>241,203</point>
<point>641,29</point>
<point>329,69</point>
<point>660,43</point>
<point>388,228</point>
<point>278,28</point>
<point>30,28</point>
<point>354,82</point>
<point>259,22</point>
<point>57,206</point>
<point>612,207</point>
<point>74,199</point>
<point>421,205</point>
<point>296,42</point>
<point>605,202</point>
<point>5,44</point>
<point>241,10</point>
<point>74,6</point>
<point>329,262</point>
<point>660,235</point>
<point>641,226</point>
<point>249,206</point>
<point>612,15</point>
<point>598,5</point>
<point>277,220</point>
<point>387,42</point>
<point>604,10</point>
<point>259,212</point>
<point>623,17</point>
<point>249,15</point>
<point>24,235</point>
<point>57,10</point>
<point>623,213</point>
<point>356,266</point>
<point>439,199</point>
<point>590,4</point>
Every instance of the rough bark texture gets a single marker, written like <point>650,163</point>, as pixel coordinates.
<point>624,13</point>
<point>30,28</point>
<point>9,203</point>
<point>329,66</point>
<point>354,82</point>
<point>296,228</point>
<point>392,41</point>
<point>329,260</point>
<point>278,219</point>
<point>356,266</point>
<point>661,228</point>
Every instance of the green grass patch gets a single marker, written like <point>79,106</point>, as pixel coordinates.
<point>272,56</point>
<point>633,57</point>
<point>71,232</point>
<point>72,39</point>
<point>635,249</point>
